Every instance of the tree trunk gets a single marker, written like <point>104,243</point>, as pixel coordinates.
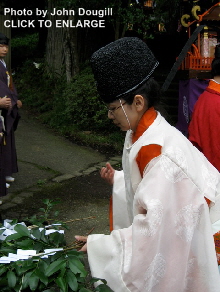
<point>61,53</point>
<point>54,45</point>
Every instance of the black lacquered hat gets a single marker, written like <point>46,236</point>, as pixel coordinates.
<point>3,39</point>
<point>122,66</point>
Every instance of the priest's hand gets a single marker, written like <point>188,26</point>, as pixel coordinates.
<point>107,173</point>
<point>80,240</point>
<point>5,103</point>
<point>19,103</point>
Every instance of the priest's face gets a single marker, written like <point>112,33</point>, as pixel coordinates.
<point>3,50</point>
<point>127,116</point>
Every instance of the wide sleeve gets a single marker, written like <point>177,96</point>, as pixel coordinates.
<point>120,212</point>
<point>169,246</point>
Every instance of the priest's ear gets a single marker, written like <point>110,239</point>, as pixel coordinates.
<point>140,102</point>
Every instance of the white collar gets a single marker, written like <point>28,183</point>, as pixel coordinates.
<point>3,62</point>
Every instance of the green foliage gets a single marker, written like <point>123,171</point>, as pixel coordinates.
<point>167,12</point>
<point>46,214</point>
<point>27,42</point>
<point>73,109</point>
<point>130,14</point>
<point>36,87</point>
<point>63,271</point>
<point>23,47</point>
<point>82,106</point>
<point>74,104</point>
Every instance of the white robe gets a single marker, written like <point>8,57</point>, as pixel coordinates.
<point>162,239</point>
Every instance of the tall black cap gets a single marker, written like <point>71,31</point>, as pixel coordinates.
<point>122,66</point>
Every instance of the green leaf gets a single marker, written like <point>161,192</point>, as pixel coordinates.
<point>1,231</point>
<point>103,288</point>
<point>3,282</point>
<point>72,281</point>
<point>75,253</point>
<point>3,269</point>
<point>39,246</point>
<point>46,201</point>
<point>14,236</point>
<point>25,281</point>
<point>22,230</point>
<point>62,284</point>
<point>25,244</point>
<point>63,271</point>
<point>33,281</point>
<point>84,290</point>
<point>43,265</point>
<point>44,237</point>
<point>36,233</point>
<point>17,288</point>
<point>11,279</point>
<point>76,266</point>
<point>6,250</point>
<point>54,267</point>
<point>94,279</point>
<point>58,255</point>
<point>26,266</point>
<point>57,238</point>
<point>41,276</point>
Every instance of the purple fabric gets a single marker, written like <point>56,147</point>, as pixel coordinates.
<point>189,92</point>
<point>3,191</point>
<point>8,155</point>
<point>11,115</point>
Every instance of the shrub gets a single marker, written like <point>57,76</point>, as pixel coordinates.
<point>71,108</point>
<point>62,270</point>
<point>23,47</point>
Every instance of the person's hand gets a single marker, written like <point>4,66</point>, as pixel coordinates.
<point>107,173</point>
<point>5,102</point>
<point>81,239</point>
<point>19,103</point>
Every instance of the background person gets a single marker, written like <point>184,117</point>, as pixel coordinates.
<point>162,238</point>
<point>9,112</point>
<point>205,123</point>
<point>4,103</point>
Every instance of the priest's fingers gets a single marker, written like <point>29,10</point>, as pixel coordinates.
<point>81,238</point>
<point>107,173</point>
<point>84,248</point>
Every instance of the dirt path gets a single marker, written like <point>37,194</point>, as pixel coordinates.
<point>51,167</point>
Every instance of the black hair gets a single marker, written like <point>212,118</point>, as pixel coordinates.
<point>3,39</point>
<point>216,63</point>
<point>215,67</point>
<point>150,90</point>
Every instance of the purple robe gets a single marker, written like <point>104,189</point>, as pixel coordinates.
<point>3,190</point>
<point>189,92</point>
<point>10,118</point>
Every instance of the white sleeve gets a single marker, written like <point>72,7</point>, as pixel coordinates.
<point>120,213</point>
<point>105,257</point>
<point>168,247</point>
